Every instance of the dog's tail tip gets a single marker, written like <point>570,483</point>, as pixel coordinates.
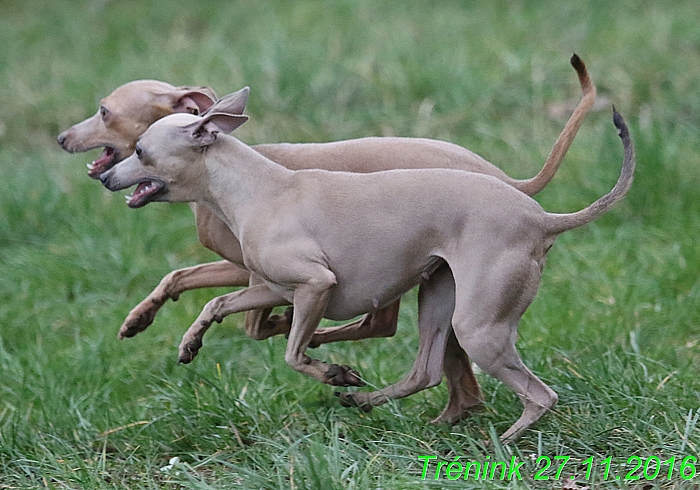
<point>577,63</point>
<point>620,124</point>
<point>584,79</point>
<point>581,70</point>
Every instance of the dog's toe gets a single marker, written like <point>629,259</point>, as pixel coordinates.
<point>345,399</point>
<point>350,400</point>
<point>131,328</point>
<point>343,376</point>
<point>137,323</point>
<point>189,351</point>
<point>186,357</point>
<point>352,377</point>
<point>334,370</point>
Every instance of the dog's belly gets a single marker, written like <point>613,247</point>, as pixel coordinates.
<point>361,286</point>
<point>355,294</point>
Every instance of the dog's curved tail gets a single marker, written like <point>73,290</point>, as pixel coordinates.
<point>535,184</point>
<point>559,223</point>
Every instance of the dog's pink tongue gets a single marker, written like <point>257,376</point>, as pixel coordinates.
<point>141,190</point>
<point>138,198</point>
<point>102,163</point>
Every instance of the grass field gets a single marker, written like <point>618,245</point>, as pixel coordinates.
<point>615,329</point>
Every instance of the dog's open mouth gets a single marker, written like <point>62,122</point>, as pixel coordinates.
<point>104,162</point>
<point>145,192</point>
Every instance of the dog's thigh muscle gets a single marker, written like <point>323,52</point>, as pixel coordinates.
<point>492,295</point>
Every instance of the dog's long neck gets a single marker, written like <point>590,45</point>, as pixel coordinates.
<point>238,178</point>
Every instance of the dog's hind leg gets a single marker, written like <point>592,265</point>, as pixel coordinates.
<point>260,324</point>
<point>492,295</point>
<point>380,323</point>
<point>497,356</point>
<point>462,386</point>
<point>435,308</point>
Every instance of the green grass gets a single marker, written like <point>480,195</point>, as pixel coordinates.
<point>615,329</point>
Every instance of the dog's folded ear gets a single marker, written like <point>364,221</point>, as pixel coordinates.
<point>231,104</point>
<point>204,131</point>
<point>194,100</point>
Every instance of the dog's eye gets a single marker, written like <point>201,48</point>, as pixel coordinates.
<point>138,151</point>
<point>104,112</point>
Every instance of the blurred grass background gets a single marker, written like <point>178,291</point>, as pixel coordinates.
<point>614,329</point>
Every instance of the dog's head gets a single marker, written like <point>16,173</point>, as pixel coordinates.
<point>167,164</point>
<point>125,114</point>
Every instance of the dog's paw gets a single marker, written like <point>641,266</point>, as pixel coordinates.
<point>132,326</point>
<point>276,324</point>
<point>139,319</point>
<point>343,376</point>
<point>188,351</point>
<point>350,400</point>
<point>453,414</point>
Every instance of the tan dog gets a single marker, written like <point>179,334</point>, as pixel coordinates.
<point>125,114</point>
<point>130,109</point>
<point>127,111</point>
<point>339,244</point>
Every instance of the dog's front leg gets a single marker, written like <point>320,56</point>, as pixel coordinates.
<point>214,274</point>
<point>310,302</point>
<point>258,296</point>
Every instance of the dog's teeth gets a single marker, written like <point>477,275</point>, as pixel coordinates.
<point>128,198</point>
<point>90,166</point>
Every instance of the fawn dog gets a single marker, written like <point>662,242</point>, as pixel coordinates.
<point>125,114</point>
<point>341,244</point>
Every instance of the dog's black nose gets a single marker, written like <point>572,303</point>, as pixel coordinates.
<point>104,177</point>
<point>61,138</point>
